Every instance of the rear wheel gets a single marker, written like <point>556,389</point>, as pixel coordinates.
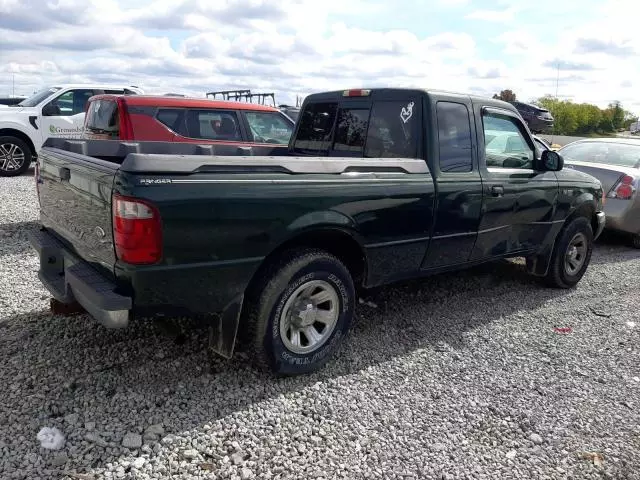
<point>15,156</point>
<point>300,311</point>
<point>571,254</point>
<point>635,241</point>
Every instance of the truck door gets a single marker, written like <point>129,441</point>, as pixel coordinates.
<point>518,201</point>
<point>459,192</point>
<point>63,116</point>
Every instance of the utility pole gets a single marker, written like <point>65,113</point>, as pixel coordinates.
<point>557,80</point>
<point>557,85</point>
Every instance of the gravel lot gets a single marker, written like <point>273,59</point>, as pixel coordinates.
<point>455,377</point>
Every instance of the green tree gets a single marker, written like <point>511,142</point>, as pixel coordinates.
<point>617,115</point>
<point>564,114</point>
<point>585,118</point>
<point>506,95</point>
<point>629,118</point>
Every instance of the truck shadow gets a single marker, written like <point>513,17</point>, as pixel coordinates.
<point>129,379</point>
<point>617,248</point>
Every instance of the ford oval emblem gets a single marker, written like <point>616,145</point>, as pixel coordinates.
<point>99,232</point>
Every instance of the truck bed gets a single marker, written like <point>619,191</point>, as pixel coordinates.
<point>221,215</point>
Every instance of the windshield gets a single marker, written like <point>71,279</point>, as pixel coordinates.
<point>619,154</point>
<point>38,97</point>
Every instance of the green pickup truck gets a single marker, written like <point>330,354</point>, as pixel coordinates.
<point>376,186</point>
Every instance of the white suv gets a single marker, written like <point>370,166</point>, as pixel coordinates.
<point>56,111</point>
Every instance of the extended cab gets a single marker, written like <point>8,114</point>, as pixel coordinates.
<point>252,129</point>
<point>379,185</point>
<point>56,111</point>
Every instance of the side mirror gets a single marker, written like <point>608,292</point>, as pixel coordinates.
<point>552,161</point>
<point>49,110</point>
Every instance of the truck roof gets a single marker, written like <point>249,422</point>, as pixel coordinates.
<point>170,101</point>
<point>92,85</point>
<point>390,92</point>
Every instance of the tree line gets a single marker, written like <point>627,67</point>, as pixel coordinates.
<point>580,118</point>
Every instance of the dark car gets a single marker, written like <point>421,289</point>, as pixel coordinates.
<point>377,186</point>
<point>291,112</point>
<point>538,119</point>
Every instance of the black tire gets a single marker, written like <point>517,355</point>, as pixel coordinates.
<point>635,241</point>
<point>559,274</point>
<point>9,145</point>
<point>264,310</point>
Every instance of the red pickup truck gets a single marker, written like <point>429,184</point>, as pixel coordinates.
<point>247,128</point>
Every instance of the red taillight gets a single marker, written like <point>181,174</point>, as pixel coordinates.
<point>137,232</point>
<point>624,189</point>
<point>126,127</point>
<point>356,93</point>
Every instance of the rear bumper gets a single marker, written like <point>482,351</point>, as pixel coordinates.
<point>602,220</point>
<point>70,279</point>
<point>542,126</point>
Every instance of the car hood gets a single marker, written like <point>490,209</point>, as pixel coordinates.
<point>9,112</point>
<point>607,174</point>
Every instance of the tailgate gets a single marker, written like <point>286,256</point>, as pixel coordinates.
<point>75,204</point>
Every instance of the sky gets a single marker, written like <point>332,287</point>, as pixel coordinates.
<point>588,50</point>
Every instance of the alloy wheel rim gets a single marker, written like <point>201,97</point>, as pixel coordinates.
<point>11,157</point>
<point>576,254</point>
<point>309,317</point>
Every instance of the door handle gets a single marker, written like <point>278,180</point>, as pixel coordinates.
<point>64,173</point>
<point>245,151</point>
<point>497,191</point>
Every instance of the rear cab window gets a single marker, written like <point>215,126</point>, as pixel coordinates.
<point>379,125</point>
<point>102,120</point>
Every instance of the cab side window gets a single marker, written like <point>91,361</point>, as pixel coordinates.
<point>505,146</point>
<point>69,103</point>
<point>454,137</point>
<point>213,125</point>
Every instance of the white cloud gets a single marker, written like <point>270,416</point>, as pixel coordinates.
<point>506,15</point>
<point>295,47</point>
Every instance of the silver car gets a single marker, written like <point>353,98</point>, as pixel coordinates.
<point>616,163</point>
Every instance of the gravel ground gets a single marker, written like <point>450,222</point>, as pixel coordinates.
<point>459,376</point>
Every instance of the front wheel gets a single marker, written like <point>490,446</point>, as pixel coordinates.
<point>15,157</point>
<point>297,320</point>
<point>571,254</point>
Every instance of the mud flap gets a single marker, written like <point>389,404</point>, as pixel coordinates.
<point>59,308</point>
<point>222,334</point>
<point>538,264</point>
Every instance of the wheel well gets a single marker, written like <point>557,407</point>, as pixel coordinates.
<point>336,242</point>
<point>10,132</point>
<point>587,211</point>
